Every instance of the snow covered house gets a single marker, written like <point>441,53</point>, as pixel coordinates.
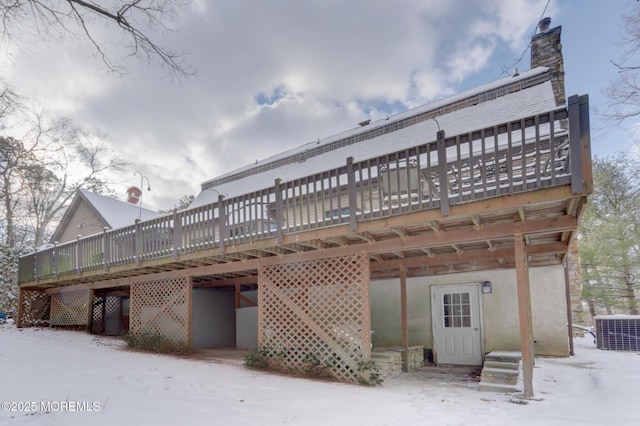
<point>90,213</point>
<point>444,229</point>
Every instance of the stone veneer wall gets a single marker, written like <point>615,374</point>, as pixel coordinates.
<point>546,51</point>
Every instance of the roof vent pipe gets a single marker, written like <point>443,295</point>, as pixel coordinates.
<point>544,24</point>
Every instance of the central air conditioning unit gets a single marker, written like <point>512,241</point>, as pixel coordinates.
<point>618,332</point>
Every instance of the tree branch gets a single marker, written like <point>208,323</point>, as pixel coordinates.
<point>138,19</point>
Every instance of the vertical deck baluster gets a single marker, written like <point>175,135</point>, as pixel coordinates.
<point>523,155</point>
<point>419,177</point>
<point>472,164</point>
<point>538,148</point>
<point>279,211</point>
<point>483,161</point>
<point>496,160</point>
<point>442,174</point>
<point>459,167</point>
<point>324,198</point>
<point>351,189</point>
<point>430,184</point>
<point>510,158</point>
<point>552,144</point>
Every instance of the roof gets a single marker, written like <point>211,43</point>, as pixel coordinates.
<point>113,213</point>
<point>511,98</point>
<point>116,213</point>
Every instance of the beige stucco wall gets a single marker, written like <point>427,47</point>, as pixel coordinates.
<point>500,309</point>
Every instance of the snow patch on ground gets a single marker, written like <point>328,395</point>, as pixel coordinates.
<point>593,387</point>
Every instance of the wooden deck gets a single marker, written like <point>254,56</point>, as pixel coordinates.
<point>454,203</point>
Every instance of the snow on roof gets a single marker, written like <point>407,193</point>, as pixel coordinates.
<point>116,213</point>
<point>616,316</point>
<point>535,99</point>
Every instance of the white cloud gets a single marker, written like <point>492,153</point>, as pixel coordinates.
<point>335,62</point>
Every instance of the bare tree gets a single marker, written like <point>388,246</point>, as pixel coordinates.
<point>9,101</point>
<point>624,92</point>
<point>74,159</point>
<point>14,160</point>
<point>138,20</point>
<point>183,203</point>
<point>41,175</point>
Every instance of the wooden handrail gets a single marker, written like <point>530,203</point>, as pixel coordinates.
<point>518,156</point>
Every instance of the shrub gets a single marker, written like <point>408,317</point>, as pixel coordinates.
<point>370,375</point>
<point>258,359</point>
<point>153,342</point>
<point>264,358</point>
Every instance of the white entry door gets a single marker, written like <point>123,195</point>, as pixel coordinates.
<point>456,324</point>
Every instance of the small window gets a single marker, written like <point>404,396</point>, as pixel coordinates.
<point>456,310</point>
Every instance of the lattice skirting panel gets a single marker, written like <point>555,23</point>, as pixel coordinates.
<point>162,307</point>
<point>34,309</point>
<point>70,308</point>
<point>317,312</point>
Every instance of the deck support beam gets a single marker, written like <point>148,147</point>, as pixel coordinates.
<point>190,312</point>
<point>524,313</point>
<point>403,314</point>
<point>20,308</point>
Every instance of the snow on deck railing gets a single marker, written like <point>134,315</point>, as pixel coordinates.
<point>519,156</point>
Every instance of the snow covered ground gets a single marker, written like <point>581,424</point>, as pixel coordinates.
<point>89,380</point>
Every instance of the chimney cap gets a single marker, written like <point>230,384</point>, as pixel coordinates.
<point>544,24</point>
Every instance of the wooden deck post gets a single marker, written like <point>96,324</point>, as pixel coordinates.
<point>20,309</point>
<point>222,220</point>
<point>524,313</point>
<point>567,291</point>
<point>403,313</point>
<point>353,201</point>
<point>177,234</point>
<point>585,140</point>
<point>189,311</point>
<point>138,241</point>
<point>53,255</point>
<point>106,249</point>
<point>575,148</point>
<point>79,260</point>
<point>442,173</point>
<point>279,211</point>
<point>90,312</point>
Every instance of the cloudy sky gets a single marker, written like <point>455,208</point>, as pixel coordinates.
<point>272,75</point>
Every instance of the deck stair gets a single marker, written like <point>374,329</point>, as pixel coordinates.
<point>501,372</point>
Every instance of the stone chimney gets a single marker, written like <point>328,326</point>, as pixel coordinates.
<point>546,51</point>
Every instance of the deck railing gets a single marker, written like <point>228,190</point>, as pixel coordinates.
<point>519,156</point>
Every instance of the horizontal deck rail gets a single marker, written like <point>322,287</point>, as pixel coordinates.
<point>519,156</point>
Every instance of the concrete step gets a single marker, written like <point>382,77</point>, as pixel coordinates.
<point>501,372</point>
<point>388,363</point>
<point>503,365</point>
<point>495,387</point>
<point>499,376</point>
<point>503,356</point>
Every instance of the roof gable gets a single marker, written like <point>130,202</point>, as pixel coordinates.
<point>116,213</point>
<point>90,213</point>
